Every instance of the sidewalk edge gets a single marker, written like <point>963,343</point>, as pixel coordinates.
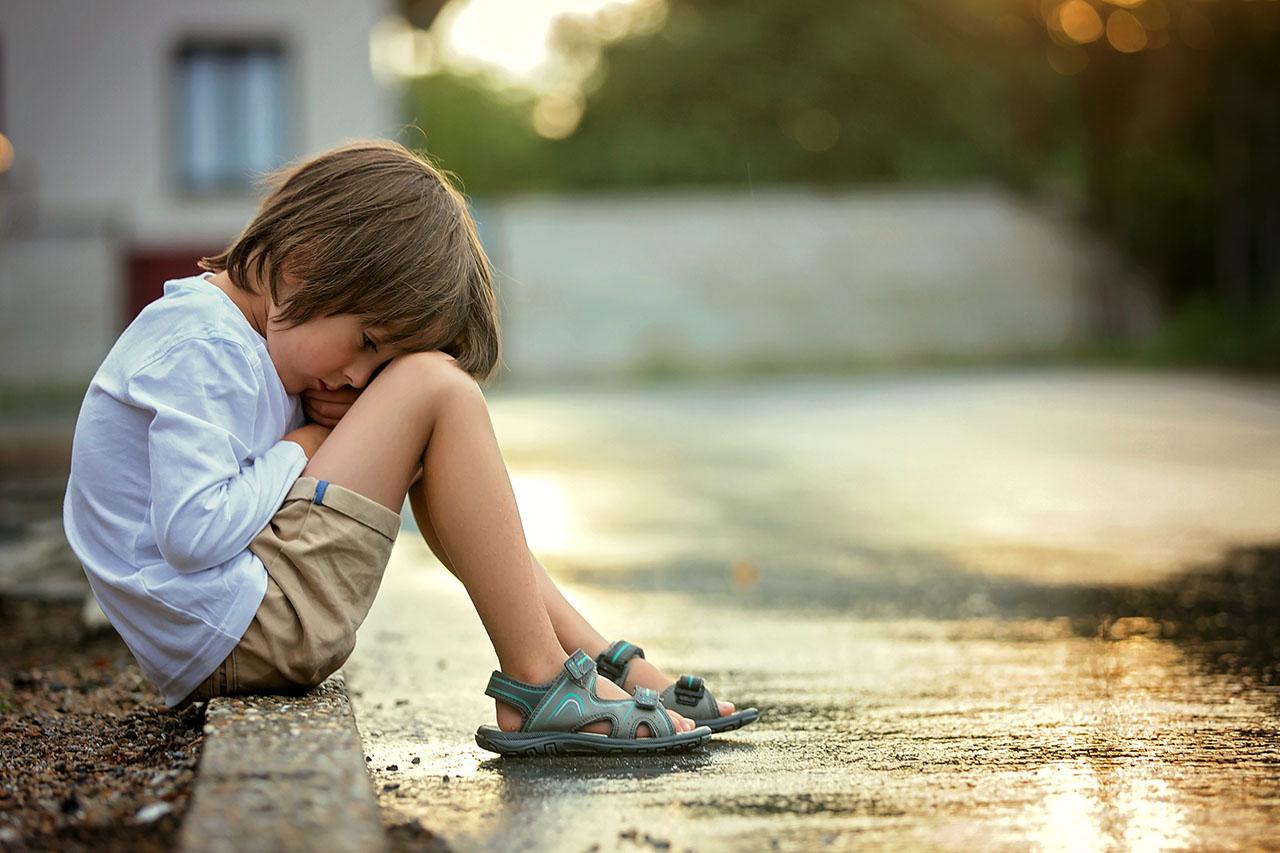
<point>282,773</point>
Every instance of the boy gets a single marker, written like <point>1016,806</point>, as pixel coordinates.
<point>237,548</point>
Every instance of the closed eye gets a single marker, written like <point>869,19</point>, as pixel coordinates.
<point>370,343</point>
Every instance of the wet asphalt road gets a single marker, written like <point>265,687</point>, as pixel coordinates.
<point>976,611</point>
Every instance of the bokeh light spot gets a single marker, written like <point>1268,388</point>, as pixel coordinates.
<point>1125,32</point>
<point>556,116</point>
<point>1080,21</point>
<point>6,153</point>
<point>398,50</point>
<point>816,130</point>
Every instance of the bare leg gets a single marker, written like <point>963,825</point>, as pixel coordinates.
<point>422,409</point>
<point>571,627</point>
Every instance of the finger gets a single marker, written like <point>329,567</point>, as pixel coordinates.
<point>323,420</point>
<point>345,394</point>
<point>328,410</point>
<point>320,417</point>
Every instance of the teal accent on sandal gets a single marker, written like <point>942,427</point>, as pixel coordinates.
<point>622,648</point>
<point>515,700</point>
<point>572,697</point>
<point>521,696</point>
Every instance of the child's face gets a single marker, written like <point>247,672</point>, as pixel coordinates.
<point>326,352</point>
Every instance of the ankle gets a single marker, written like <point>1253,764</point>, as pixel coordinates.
<point>534,671</point>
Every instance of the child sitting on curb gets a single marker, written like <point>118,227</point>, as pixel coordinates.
<point>237,548</point>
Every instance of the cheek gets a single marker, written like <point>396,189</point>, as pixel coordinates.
<point>288,354</point>
<point>320,357</point>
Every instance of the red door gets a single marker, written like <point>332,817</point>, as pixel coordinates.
<point>149,269</point>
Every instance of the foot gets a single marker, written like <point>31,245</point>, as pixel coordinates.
<point>509,719</point>
<point>644,674</point>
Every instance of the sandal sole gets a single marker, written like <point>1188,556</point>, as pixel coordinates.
<point>729,722</point>
<point>573,743</point>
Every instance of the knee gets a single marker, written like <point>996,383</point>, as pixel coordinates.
<point>433,375</point>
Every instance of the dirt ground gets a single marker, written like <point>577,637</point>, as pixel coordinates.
<point>90,759</point>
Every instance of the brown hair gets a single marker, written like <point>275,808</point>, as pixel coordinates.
<point>374,229</point>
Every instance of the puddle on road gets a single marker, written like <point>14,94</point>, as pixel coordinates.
<point>1131,719</point>
<point>1226,613</point>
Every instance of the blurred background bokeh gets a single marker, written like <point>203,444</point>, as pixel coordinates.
<point>916,358</point>
<point>675,186</point>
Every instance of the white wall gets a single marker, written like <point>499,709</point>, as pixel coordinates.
<point>609,283</point>
<point>88,105</point>
<point>60,305</point>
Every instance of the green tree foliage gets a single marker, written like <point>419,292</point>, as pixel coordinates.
<point>1172,141</point>
<point>825,91</point>
<point>479,133</point>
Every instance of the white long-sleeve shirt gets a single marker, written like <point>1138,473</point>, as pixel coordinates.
<point>177,463</point>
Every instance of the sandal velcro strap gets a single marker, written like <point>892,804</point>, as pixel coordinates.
<point>689,690</point>
<point>579,666</point>
<point>612,662</point>
<point>646,698</point>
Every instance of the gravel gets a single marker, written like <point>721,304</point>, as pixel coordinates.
<point>90,759</point>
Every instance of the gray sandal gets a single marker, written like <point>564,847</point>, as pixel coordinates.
<point>553,713</point>
<point>688,696</point>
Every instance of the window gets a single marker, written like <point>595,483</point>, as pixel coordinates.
<point>232,113</point>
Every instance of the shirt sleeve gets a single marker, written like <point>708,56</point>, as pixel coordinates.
<point>208,498</point>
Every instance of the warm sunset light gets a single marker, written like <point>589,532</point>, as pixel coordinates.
<point>6,153</point>
<point>510,41</point>
<point>509,37</point>
<point>1079,21</point>
<point>1125,32</point>
<point>545,513</point>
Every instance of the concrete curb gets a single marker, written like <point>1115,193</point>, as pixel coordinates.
<point>282,773</point>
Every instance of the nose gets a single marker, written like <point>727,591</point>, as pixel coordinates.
<point>359,374</point>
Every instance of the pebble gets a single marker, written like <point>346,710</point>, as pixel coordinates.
<point>152,812</point>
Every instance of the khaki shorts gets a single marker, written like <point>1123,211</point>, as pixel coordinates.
<point>325,550</point>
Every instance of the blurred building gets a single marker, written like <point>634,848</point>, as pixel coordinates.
<point>793,278</point>
<point>134,130</point>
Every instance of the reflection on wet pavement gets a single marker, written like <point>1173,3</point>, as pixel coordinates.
<point>911,695</point>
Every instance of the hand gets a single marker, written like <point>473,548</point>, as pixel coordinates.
<point>310,436</point>
<point>327,407</point>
